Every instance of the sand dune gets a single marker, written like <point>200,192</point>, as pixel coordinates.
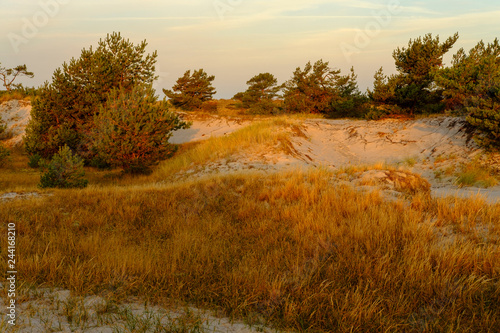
<point>430,144</point>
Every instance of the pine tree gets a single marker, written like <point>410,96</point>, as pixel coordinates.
<point>383,88</point>
<point>191,90</point>
<point>472,87</point>
<point>310,90</point>
<point>415,89</point>
<point>320,89</point>
<point>258,98</point>
<point>63,113</point>
<point>9,75</point>
<point>65,170</point>
<point>132,129</point>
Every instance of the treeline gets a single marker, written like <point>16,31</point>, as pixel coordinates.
<point>422,85</point>
<point>102,110</point>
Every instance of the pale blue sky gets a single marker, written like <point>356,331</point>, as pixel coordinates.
<point>237,39</point>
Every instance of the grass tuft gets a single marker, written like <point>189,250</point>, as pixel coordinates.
<point>475,174</point>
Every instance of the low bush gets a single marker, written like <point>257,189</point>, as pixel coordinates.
<point>35,161</point>
<point>64,170</point>
<point>475,174</point>
<point>209,106</point>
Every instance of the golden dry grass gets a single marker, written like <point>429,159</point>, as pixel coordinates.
<point>475,174</point>
<point>291,249</point>
<point>269,133</point>
<point>294,249</point>
<point>12,95</point>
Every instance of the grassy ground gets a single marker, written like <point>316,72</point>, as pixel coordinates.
<point>289,249</point>
<point>295,250</point>
<point>14,95</point>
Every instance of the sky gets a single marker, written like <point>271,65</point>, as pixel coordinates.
<point>238,39</point>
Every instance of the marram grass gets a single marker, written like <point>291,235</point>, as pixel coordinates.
<point>293,250</point>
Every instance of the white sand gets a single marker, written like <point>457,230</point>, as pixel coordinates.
<point>203,128</point>
<point>56,310</point>
<point>16,115</point>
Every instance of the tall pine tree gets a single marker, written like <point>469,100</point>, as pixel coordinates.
<point>472,87</point>
<point>64,111</point>
<point>415,89</point>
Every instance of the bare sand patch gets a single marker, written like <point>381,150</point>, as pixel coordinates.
<point>57,310</point>
<point>16,115</point>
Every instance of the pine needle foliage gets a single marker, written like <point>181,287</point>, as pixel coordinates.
<point>132,129</point>
<point>472,88</point>
<point>65,170</point>
<point>191,90</point>
<point>320,89</point>
<point>417,63</point>
<point>63,113</point>
<point>9,75</point>
<point>262,90</point>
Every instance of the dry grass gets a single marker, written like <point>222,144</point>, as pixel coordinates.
<point>291,249</point>
<point>475,174</point>
<point>222,107</point>
<point>268,133</point>
<point>13,95</point>
<point>15,174</point>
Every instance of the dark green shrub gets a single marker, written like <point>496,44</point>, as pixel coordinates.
<point>4,152</point>
<point>35,161</point>
<point>209,106</point>
<point>263,108</point>
<point>376,112</point>
<point>260,94</point>
<point>132,129</point>
<point>350,106</point>
<point>100,163</point>
<point>65,170</point>
<point>191,90</point>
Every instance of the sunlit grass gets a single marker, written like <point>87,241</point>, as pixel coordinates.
<point>270,134</point>
<point>12,95</point>
<point>475,174</point>
<point>296,250</point>
<point>292,248</point>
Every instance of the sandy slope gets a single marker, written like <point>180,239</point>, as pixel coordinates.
<point>425,146</point>
<point>206,127</point>
<point>15,114</point>
<point>341,142</point>
<point>432,144</point>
